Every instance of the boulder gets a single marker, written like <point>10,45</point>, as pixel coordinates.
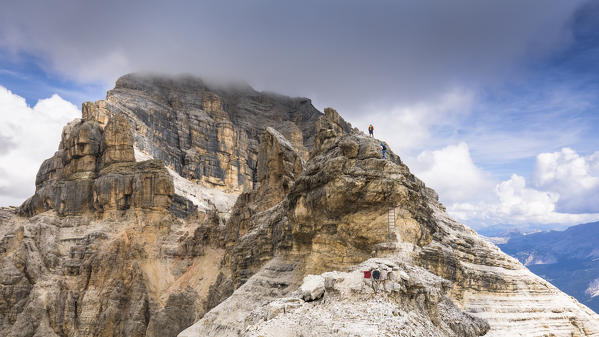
<point>312,288</point>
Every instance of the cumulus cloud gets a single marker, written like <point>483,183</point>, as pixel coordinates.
<point>517,204</point>
<point>522,204</point>
<point>411,127</point>
<point>472,195</point>
<point>28,135</point>
<point>575,178</point>
<point>593,289</point>
<point>453,174</point>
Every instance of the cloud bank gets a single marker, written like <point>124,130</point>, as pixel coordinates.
<point>563,191</point>
<point>574,177</point>
<point>345,54</point>
<point>21,151</point>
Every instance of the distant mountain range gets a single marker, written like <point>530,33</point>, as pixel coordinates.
<point>568,259</point>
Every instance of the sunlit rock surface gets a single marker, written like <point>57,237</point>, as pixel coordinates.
<point>94,170</point>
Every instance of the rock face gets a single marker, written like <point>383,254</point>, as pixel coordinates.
<point>94,170</point>
<point>279,165</point>
<point>102,252</point>
<point>107,247</point>
<point>206,133</point>
<point>112,244</point>
<point>134,275</point>
<point>409,301</point>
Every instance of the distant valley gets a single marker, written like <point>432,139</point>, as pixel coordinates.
<point>568,259</point>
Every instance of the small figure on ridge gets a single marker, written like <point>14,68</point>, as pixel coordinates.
<point>371,130</point>
<point>384,148</point>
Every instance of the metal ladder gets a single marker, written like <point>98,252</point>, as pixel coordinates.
<point>391,216</point>
<point>391,225</point>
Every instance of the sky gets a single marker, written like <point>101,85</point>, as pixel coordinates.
<point>493,104</point>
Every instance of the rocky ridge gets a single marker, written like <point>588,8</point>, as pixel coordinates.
<point>110,246</point>
<point>104,247</point>
<point>335,216</point>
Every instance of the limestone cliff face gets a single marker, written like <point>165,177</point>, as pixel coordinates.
<point>94,170</point>
<point>279,164</point>
<point>139,274</point>
<point>106,248</point>
<point>99,251</point>
<point>207,134</point>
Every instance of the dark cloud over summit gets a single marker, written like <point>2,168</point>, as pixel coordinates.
<point>344,53</point>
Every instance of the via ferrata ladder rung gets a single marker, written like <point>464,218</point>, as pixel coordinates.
<point>391,226</point>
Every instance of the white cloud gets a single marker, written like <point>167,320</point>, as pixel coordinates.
<point>472,196</point>
<point>522,204</point>
<point>573,176</point>
<point>517,204</point>
<point>594,163</point>
<point>513,203</point>
<point>27,137</point>
<point>453,174</point>
<point>409,127</point>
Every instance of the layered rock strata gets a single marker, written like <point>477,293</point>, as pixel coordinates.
<point>122,256</point>
<point>94,170</point>
<point>106,247</point>
<point>128,275</point>
<point>206,133</point>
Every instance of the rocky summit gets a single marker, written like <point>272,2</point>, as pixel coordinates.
<point>177,207</point>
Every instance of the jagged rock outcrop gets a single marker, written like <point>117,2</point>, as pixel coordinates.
<point>108,248</point>
<point>279,164</point>
<point>94,170</point>
<point>102,252</point>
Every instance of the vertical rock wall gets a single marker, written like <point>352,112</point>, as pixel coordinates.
<point>207,134</point>
<point>94,170</point>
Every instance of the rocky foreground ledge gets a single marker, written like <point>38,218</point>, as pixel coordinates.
<point>132,231</point>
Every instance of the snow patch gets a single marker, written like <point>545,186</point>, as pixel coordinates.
<point>204,198</point>
<point>284,141</point>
